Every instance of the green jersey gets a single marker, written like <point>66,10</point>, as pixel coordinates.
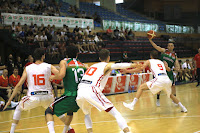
<point>169,57</point>
<point>74,73</point>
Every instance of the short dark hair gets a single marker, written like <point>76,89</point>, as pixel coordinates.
<point>38,53</point>
<point>15,68</point>
<point>72,51</point>
<point>154,54</point>
<point>103,54</point>
<point>187,59</point>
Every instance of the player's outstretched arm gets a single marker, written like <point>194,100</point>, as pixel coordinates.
<point>61,73</point>
<point>17,88</point>
<point>139,68</point>
<point>162,50</point>
<point>166,66</point>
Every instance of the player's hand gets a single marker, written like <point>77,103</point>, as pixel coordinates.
<point>51,78</point>
<point>7,104</point>
<point>165,63</point>
<point>123,71</point>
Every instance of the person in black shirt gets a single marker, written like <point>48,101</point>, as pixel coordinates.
<point>19,65</point>
<point>10,65</point>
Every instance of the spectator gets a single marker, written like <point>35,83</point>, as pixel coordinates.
<point>10,64</point>
<point>76,29</point>
<point>18,27</point>
<point>131,35</point>
<point>13,27</point>
<point>5,89</point>
<point>83,14</point>
<point>197,66</point>
<point>19,65</point>
<point>96,17</point>
<point>110,32</point>
<point>87,30</point>
<point>188,69</point>
<point>13,80</point>
<point>116,33</point>
<point>29,61</point>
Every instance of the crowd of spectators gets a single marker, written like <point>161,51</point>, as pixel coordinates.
<point>38,7</point>
<point>55,40</point>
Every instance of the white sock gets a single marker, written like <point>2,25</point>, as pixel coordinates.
<point>88,121</point>
<point>120,120</point>
<point>13,126</point>
<point>134,101</point>
<point>17,113</point>
<point>180,104</point>
<point>50,125</point>
<point>70,127</point>
<point>66,127</point>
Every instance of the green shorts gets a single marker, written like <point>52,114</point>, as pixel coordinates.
<point>171,77</point>
<point>65,104</point>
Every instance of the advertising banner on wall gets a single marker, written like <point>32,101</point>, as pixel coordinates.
<point>46,20</point>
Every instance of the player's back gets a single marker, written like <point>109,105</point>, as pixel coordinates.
<point>95,74</point>
<point>157,67</point>
<point>74,73</point>
<point>38,78</point>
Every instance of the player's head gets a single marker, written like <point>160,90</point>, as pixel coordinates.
<point>154,54</point>
<point>5,72</point>
<point>170,46</point>
<point>104,55</point>
<point>72,51</point>
<point>39,54</point>
<point>15,71</point>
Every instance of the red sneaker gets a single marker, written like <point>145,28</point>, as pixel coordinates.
<point>71,131</point>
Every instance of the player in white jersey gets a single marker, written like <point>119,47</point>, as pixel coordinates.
<point>91,86</point>
<point>39,87</point>
<point>160,82</point>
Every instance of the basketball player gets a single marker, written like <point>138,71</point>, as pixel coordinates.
<point>170,57</point>
<point>91,87</point>
<point>39,87</point>
<point>71,71</point>
<point>160,82</point>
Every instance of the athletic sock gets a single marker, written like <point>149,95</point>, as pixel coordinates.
<point>66,127</point>
<point>134,101</point>
<point>13,126</point>
<point>50,125</point>
<point>158,96</point>
<point>180,104</point>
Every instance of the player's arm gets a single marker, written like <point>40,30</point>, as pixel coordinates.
<point>54,70</point>
<point>162,50</point>
<point>176,66</point>
<point>139,68</point>
<point>166,66</point>
<point>110,66</point>
<point>17,88</point>
<point>61,84</point>
<point>61,73</point>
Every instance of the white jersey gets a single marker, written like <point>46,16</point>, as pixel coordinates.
<point>157,67</point>
<point>38,77</point>
<point>95,74</point>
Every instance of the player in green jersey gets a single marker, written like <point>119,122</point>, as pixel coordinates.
<point>71,71</point>
<point>168,55</point>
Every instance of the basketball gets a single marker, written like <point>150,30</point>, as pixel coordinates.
<point>151,34</point>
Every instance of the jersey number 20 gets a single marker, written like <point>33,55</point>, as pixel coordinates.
<point>39,79</point>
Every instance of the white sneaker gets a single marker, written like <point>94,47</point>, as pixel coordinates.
<point>128,106</point>
<point>158,103</point>
<point>14,104</point>
<point>174,103</point>
<point>184,109</point>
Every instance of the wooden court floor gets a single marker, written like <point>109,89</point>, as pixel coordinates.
<point>146,118</point>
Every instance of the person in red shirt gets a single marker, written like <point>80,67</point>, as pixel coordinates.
<point>5,89</point>
<point>57,84</point>
<point>197,66</point>
<point>13,80</point>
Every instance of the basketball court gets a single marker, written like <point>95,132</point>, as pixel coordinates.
<point>146,118</point>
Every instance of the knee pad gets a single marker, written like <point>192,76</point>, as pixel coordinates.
<point>49,111</point>
<point>70,114</point>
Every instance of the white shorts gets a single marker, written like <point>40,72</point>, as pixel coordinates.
<point>89,96</point>
<point>30,102</point>
<point>161,83</point>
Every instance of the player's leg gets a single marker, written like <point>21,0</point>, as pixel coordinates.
<point>49,119</point>
<point>120,120</point>
<point>67,121</point>
<point>55,88</point>
<point>16,118</point>
<point>158,99</point>
<point>178,102</point>
<point>138,94</point>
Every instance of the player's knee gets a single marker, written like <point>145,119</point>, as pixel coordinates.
<point>49,111</point>
<point>70,114</point>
